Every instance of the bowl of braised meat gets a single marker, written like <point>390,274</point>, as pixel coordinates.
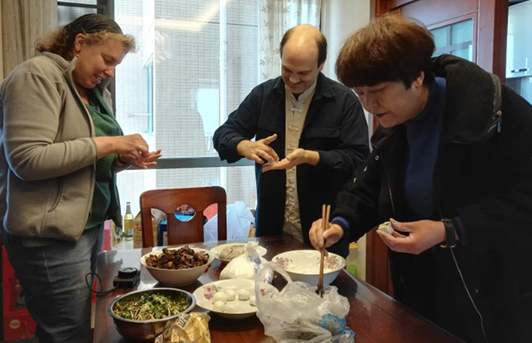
<point>177,266</point>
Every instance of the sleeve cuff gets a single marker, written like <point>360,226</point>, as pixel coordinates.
<point>344,224</point>
<point>459,227</point>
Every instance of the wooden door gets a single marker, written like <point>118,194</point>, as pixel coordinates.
<point>488,49</point>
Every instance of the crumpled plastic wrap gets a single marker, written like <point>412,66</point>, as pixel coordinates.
<point>298,314</point>
<point>245,266</point>
<point>189,327</point>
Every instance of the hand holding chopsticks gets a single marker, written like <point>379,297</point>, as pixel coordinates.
<point>325,213</point>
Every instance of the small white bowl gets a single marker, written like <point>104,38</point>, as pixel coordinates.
<point>304,265</point>
<point>177,277</point>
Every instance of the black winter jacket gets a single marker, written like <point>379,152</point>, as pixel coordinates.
<point>334,126</point>
<point>483,175</point>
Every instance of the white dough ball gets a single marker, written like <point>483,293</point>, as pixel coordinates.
<point>252,301</point>
<point>386,227</point>
<point>230,308</point>
<point>243,294</point>
<point>231,295</point>
<point>220,296</point>
<point>219,306</point>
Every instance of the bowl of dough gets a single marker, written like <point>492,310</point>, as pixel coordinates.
<point>227,252</point>
<point>304,265</point>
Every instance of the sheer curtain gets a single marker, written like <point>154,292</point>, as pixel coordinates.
<point>275,18</point>
<point>22,22</point>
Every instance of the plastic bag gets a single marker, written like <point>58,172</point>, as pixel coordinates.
<point>189,327</point>
<point>239,219</point>
<point>298,314</point>
<point>246,265</point>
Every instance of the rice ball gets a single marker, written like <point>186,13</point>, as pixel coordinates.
<point>220,296</point>
<point>219,306</point>
<point>386,227</point>
<point>231,295</point>
<point>252,301</point>
<point>243,294</point>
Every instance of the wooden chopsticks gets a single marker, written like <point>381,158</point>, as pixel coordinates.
<point>325,213</point>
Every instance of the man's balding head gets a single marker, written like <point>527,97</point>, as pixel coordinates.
<point>303,53</point>
<point>305,38</point>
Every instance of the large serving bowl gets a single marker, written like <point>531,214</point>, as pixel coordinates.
<point>177,277</point>
<point>304,265</point>
<point>147,330</point>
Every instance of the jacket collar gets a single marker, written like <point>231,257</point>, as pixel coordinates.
<point>470,116</point>
<point>323,88</point>
<point>473,101</point>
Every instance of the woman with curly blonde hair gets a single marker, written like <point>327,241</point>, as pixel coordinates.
<point>61,147</point>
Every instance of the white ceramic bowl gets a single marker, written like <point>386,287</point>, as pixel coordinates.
<point>304,265</point>
<point>177,277</point>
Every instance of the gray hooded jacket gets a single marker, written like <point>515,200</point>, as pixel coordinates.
<point>48,156</point>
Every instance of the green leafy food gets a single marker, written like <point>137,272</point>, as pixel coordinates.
<point>152,306</point>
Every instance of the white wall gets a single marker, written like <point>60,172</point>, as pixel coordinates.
<point>339,20</point>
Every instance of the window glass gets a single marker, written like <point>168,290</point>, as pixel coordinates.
<point>460,42</point>
<point>462,32</point>
<point>66,14</point>
<point>440,37</point>
<point>170,89</point>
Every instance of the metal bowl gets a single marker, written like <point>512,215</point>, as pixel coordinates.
<point>146,330</point>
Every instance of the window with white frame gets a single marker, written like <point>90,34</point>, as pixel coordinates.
<point>196,61</point>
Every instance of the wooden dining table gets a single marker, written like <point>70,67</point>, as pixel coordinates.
<point>373,315</point>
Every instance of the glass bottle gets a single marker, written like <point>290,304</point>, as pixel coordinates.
<point>128,223</point>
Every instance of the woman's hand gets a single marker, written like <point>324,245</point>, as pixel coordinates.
<point>131,149</point>
<point>149,160</point>
<point>422,235</point>
<point>130,146</point>
<point>320,238</point>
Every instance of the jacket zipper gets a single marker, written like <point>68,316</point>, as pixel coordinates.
<point>466,288</point>
<point>389,185</point>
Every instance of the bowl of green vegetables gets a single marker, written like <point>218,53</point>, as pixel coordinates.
<point>142,315</point>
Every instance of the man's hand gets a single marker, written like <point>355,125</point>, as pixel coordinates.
<point>297,157</point>
<point>319,238</point>
<point>258,151</point>
<point>423,235</point>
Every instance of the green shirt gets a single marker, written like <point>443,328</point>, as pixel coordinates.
<point>105,124</point>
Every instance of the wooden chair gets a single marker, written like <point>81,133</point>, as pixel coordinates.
<point>181,232</point>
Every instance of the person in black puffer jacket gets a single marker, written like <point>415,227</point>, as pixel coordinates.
<point>451,168</point>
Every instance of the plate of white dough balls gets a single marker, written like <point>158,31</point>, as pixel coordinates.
<point>233,299</point>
